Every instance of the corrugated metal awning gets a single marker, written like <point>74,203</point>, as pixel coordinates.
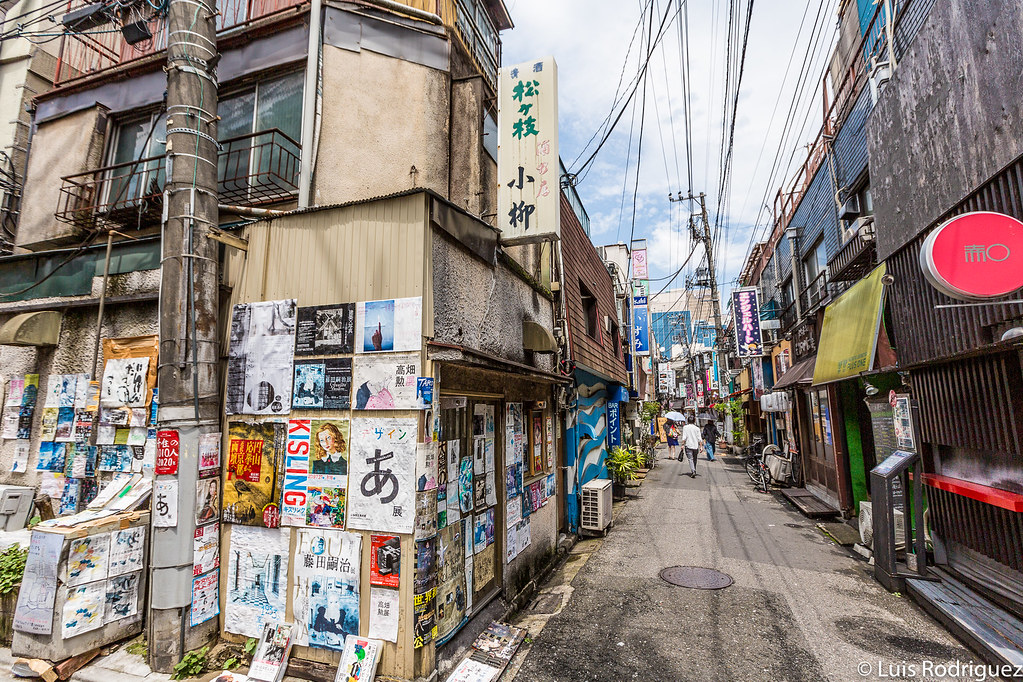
<point>799,373</point>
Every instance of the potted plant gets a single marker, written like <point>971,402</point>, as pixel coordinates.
<point>622,462</point>
<point>12,568</point>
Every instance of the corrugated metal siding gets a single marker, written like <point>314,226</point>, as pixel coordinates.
<point>850,150</point>
<point>909,22</point>
<point>816,213</point>
<point>923,333</point>
<point>356,253</point>
<point>958,519</point>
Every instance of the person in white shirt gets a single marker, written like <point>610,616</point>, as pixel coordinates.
<point>692,441</point>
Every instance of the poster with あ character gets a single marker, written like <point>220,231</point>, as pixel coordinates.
<point>381,491</point>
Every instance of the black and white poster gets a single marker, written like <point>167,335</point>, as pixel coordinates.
<point>323,384</point>
<point>259,366</point>
<point>325,329</point>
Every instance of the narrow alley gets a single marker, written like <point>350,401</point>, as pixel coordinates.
<point>800,608</point>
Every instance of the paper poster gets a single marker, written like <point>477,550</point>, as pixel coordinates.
<point>524,535</point>
<point>51,483</point>
<point>326,587</point>
<point>479,462</point>
<point>122,597</point>
<point>105,434</point>
<point>81,399</point>
<point>92,396</point>
<point>48,423</point>
<point>489,454</point>
<point>384,560</point>
<point>69,501</point>
<point>330,445</point>
<point>259,365</point>
<point>479,533</point>
<point>550,442</point>
<point>322,384</point>
<point>385,382</point>
<point>12,408</point>
<point>124,383</point>
<point>424,393</point>
<point>465,485</point>
<point>451,600</point>
<point>552,486</point>
<point>511,545</point>
<point>83,609</point>
<point>206,548</point>
<point>165,503</point>
<point>426,559</point>
<point>255,453</point>
<point>83,463</point>
<point>513,512</point>
<point>296,473</point>
<point>257,579</point>
<point>205,598</point>
<point>114,458</point>
<point>325,329</point>
<point>469,670</point>
<point>49,459</point>
<point>126,550</point>
<point>207,500</point>
<point>383,614</point>
<point>424,617</point>
<point>19,464</point>
<point>87,559</point>
<point>451,506</point>
<point>490,489</point>
<point>65,432</point>
<point>426,514</point>
<point>34,613</point>
<point>359,660</point>
<point>483,568</point>
<point>325,507</point>
<point>83,426</point>
<point>29,395</point>
<point>209,454</point>
<point>383,469</point>
<point>389,325</point>
<point>426,466</point>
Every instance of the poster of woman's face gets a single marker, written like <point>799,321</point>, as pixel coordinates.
<point>330,447</point>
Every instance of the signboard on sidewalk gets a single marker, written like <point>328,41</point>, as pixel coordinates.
<point>528,166</point>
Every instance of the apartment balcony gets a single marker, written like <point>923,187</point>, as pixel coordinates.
<point>252,170</point>
<point>788,318</point>
<point>858,255</point>
<point>817,293</point>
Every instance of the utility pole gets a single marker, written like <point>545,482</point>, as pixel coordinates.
<point>704,236</point>
<point>189,292</point>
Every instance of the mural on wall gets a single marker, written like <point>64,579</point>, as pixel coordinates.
<point>586,431</point>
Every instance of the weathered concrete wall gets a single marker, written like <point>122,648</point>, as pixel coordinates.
<point>950,117</point>
<point>73,353</point>
<point>65,146</point>
<point>482,307</point>
<point>467,144</point>
<point>381,117</point>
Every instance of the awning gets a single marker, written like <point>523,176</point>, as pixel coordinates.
<point>32,329</point>
<point>799,373</point>
<point>849,335</point>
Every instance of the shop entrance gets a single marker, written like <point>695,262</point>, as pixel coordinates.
<point>819,453</point>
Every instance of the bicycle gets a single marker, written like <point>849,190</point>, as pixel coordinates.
<point>753,457</point>
<point>782,464</point>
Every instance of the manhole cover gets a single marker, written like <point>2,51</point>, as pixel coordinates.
<point>696,577</point>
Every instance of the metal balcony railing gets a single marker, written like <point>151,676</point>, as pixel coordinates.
<point>254,169</point>
<point>788,317</point>
<point>815,293</point>
<point>857,256</point>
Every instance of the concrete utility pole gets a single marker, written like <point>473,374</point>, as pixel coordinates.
<point>189,292</point>
<point>708,244</point>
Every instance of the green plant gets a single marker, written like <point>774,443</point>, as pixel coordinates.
<point>12,568</point>
<point>622,463</point>
<point>250,645</point>
<point>192,664</point>
<point>138,646</point>
<point>650,411</point>
<point>232,663</point>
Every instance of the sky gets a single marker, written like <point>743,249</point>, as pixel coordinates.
<point>590,40</point>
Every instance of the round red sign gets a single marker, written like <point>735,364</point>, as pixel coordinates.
<point>975,256</point>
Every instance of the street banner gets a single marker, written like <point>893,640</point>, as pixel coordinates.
<point>746,309</point>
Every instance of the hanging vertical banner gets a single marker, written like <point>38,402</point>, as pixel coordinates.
<point>639,264</point>
<point>383,475</point>
<point>614,424</point>
<point>640,328</point>
<point>529,194</point>
<point>746,309</point>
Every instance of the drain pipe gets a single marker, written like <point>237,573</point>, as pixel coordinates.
<point>249,211</point>
<point>305,178</point>
<point>400,8</point>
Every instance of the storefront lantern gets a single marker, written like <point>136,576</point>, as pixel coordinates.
<point>975,256</point>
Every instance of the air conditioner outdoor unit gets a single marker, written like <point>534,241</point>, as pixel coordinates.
<point>15,506</point>
<point>596,505</point>
<point>850,209</point>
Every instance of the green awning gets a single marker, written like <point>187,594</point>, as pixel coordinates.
<point>849,335</point>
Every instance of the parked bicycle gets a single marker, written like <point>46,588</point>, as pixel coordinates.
<point>753,457</point>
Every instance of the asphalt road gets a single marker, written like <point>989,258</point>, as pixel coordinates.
<point>801,608</point>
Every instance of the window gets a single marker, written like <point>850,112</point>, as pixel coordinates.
<point>590,315</point>
<point>815,262</point>
<point>616,339</point>
<point>252,153</point>
<point>788,293</point>
<point>140,137</point>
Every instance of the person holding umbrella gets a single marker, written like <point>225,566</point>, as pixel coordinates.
<point>672,432</point>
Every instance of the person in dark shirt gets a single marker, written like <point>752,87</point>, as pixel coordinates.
<point>710,437</point>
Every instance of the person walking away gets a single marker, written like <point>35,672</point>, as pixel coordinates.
<point>691,441</point>
<point>710,437</point>
<point>671,432</point>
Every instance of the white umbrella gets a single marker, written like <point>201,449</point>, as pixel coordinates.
<point>675,416</point>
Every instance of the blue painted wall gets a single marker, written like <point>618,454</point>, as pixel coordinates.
<point>585,440</point>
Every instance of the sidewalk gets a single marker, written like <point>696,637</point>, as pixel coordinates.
<point>119,666</point>
<point>801,608</point>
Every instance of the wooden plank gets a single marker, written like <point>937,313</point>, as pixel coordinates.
<point>65,669</point>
